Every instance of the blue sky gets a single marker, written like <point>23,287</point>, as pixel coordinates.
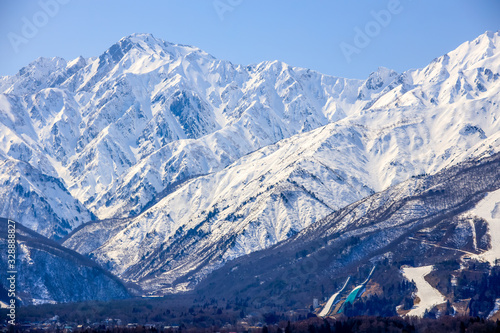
<point>342,38</point>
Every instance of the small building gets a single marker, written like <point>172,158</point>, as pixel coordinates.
<point>315,303</point>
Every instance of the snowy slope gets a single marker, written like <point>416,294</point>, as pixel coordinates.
<point>332,300</point>
<point>41,202</point>
<point>50,273</point>
<point>119,128</point>
<point>428,296</point>
<point>418,222</point>
<point>412,125</point>
<point>489,210</point>
<point>205,161</point>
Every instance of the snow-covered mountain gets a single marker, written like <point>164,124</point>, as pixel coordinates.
<point>147,114</point>
<point>50,273</point>
<point>399,126</point>
<point>444,220</point>
<point>41,201</point>
<point>193,161</point>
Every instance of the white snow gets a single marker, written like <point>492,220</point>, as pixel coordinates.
<point>37,301</point>
<point>429,296</point>
<point>331,301</point>
<point>489,209</point>
<point>281,147</point>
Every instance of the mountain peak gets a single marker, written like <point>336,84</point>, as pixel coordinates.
<point>143,39</point>
<point>490,34</point>
<point>469,54</point>
<point>382,73</point>
<point>147,44</point>
<point>488,40</point>
<point>376,82</point>
<point>44,63</point>
<point>131,132</point>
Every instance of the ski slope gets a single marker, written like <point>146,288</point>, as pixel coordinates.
<point>429,296</point>
<point>331,300</point>
<point>489,209</point>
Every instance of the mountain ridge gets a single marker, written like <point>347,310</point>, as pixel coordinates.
<point>427,220</point>
<point>50,273</point>
<point>234,158</point>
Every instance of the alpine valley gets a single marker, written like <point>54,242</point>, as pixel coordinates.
<point>173,171</point>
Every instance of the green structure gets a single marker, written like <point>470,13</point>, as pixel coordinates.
<point>356,292</point>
